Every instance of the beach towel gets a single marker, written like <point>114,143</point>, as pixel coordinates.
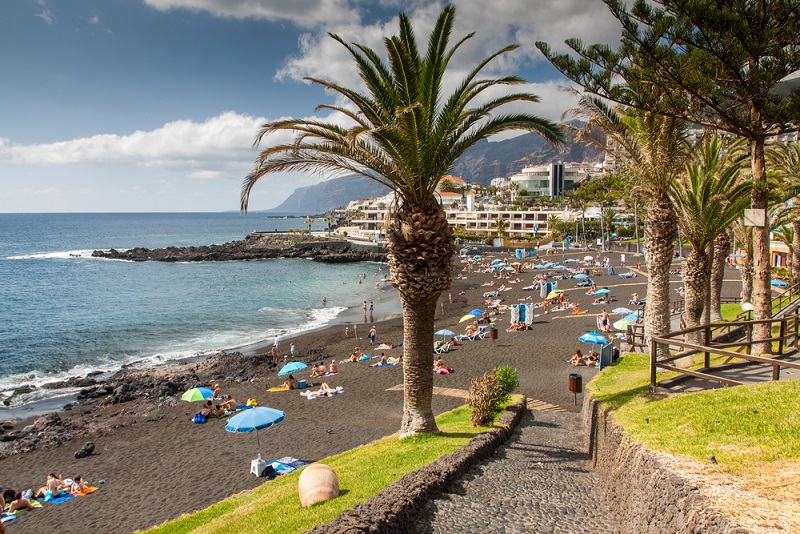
<point>331,374</point>
<point>61,499</point>
<point>286,465</point>
<point>281,388</point>
<point>387,364</point>
<point>314,395</point>
<point>364,357</point>
<point>86,491</point>
<point>7,517</point>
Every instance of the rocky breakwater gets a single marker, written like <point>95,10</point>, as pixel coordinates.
<point>126,398</point>
<point>256,246</point>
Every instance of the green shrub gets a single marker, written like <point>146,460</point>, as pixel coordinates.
<point>507,381</point>
<point>483,399</point>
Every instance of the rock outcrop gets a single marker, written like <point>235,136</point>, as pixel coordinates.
<point>256,246</point>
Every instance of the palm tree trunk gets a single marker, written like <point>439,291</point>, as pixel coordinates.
<point>722,248</point>
<point>421,248</point>
<point>659,238</point>
<point>696,269</point>
<point>747,278</point>
<point>706,316</point>
<point>796,251</point>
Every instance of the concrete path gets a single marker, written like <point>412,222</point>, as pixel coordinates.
<point>539,481</point>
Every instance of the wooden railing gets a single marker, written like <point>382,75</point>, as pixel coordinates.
<point>721,338</point>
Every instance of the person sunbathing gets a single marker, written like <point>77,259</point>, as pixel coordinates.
<point>592,289</point>
<point>438,364</point>
<point>325,389</point>
<point>290,383</point>
<point>19,503</point>
<point>208,409</point>
<point>319,370</point>
<point>576,309</point>
<point>52,487</point>
<point>77,486</point>
<point>600,300</point>
<point>217,391</point>
<point>577,359</point>
<point>381,362</point>
<point>333,367</point>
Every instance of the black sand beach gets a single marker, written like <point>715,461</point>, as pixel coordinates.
<point>157,465</point>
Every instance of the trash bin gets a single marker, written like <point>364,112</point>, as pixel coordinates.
<point>575,383</point>
<point>493,333</point>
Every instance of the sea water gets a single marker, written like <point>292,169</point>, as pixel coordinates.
<point>64,313</point>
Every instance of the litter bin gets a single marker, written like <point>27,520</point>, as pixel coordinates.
<point>575,383</point>
<point>493,333</point>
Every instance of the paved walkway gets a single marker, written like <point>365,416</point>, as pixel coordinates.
<point>539,481</point>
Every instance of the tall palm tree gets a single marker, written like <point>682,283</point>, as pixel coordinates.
<point>707,199</point>
<point>309,222</point>
<point>785,161</point>
<point>722,249</point>
<point>406,134</point>
<point>330,219</point>
<point>653,148</point>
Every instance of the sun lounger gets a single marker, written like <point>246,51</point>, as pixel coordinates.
<point>315,394</point>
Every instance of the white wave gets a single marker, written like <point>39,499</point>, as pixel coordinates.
<point>58,255</point>
<point>200,346</point>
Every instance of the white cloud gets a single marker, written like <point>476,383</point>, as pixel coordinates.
<point>228,136</point>
<point>47,16</point>
<point>302,13</point>
<point>509,21</point>
<point>94,20</point>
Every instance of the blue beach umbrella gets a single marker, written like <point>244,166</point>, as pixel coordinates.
<point>570,260</point>
<point>290,368</point>
<point>622,309</point>
<point>254,419</point>
<point>580,276</point>
<point>631,316</point>
<point>497,266</point>
<point>558,267</point>
<point>476,312</point>
<point>476,256</point>
<point>444,332</point>
<point>778,283</point>
<point>196,394</point>
<point>594,338</point>
<point>497,260</point>
<point>602,292</point>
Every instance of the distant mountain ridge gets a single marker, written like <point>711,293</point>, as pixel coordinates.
<point>479,165</point>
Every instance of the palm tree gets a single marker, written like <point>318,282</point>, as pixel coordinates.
<point>707,199</point>
<point>722,249</point>
<point>309,222</point>
<point>330,219</point>
<point>502,227</point>
<point>652,147</point>
<point>785,161</point>
<point>406,135</point>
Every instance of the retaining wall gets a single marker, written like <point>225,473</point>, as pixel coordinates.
<point>643,494</point>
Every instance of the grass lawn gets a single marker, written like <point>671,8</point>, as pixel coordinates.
<point>362,472</point>
<point>746,428</point>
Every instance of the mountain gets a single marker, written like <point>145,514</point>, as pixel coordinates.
<point>330,194</point>
<point>479,165</point>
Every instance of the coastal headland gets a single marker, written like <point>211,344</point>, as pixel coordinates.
<point>256,246</point>
<point>156,464</point>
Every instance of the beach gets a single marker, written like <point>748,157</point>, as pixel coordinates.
<point>156,464</point>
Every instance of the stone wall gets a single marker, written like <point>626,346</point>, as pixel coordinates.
<point>396,508</point>
<point>643,494</point>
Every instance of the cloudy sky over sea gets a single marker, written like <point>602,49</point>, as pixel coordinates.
<point>152,105</point>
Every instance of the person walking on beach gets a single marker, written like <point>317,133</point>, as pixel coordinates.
<point>274,354</point>
<point>371,307</point>
<point>372,334</point>
<point>291,349</point>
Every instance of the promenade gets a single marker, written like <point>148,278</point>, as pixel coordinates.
<point>539,481</point>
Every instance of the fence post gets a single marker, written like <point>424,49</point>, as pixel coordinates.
<point>653,345</point>
<point>749,345</point>
<point>706,341</point>
<point>782,335</point>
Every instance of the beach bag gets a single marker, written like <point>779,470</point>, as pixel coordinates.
<point>199,418</point>
<point>252,402</point>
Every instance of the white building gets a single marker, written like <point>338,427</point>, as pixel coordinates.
<point>551,180</point>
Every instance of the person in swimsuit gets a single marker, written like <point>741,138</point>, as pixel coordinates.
<point>53,486</point>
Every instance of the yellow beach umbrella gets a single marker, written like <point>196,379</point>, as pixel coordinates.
<point>467,317</point>
<point>553,294</point>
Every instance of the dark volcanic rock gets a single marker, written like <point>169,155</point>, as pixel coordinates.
<point>257,246</point>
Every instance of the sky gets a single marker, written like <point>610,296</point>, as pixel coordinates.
<point>154,105</point>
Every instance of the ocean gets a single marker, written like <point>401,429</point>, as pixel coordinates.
<point>66,314</point>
